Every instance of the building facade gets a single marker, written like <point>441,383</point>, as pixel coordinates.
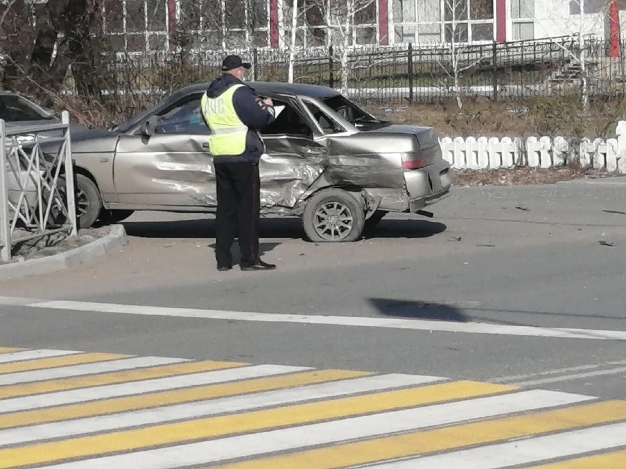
<point>156,25</point>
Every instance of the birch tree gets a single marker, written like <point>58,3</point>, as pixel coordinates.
<point>459,17</point>
<point>295,15</point>
<point>580,20</point>
<point>339,18</point>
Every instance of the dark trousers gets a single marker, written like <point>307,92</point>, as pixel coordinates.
<point>238,207</point>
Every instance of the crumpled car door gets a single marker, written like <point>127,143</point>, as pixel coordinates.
<point>289,167</point>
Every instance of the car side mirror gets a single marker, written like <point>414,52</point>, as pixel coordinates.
<point>148,126</point>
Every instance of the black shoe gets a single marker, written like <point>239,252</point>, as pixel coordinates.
<point>259,265</point>
<point>224,268</point>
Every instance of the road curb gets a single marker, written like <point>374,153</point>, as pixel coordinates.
<point>45,265</point>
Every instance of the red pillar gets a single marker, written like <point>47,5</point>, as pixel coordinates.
<point>614,29</point>
<point>274,33</point>
<point>501,20</point>
<point>383,21</point>
<point>171,12</point>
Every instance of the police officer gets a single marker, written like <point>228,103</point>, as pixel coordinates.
<point>234,114</point>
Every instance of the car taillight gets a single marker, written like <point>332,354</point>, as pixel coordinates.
<point>420,159</point>
<point>414,164</point>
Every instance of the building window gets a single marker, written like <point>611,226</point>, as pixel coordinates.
<point>522,16</point>
<point>224,24</point>
<point>137,25</point>
<point>322,23</point>
<point>438,21</point>
<point>366,23</point>
<point>591,6</point>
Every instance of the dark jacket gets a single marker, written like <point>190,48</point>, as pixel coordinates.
<point>246,105</point>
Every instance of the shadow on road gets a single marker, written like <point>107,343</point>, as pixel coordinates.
<point>418,310</point>
<point>287,228</point>
<point>205,228</point>
<point>411,229</point>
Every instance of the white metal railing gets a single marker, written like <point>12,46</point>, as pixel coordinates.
<point>36,188</point>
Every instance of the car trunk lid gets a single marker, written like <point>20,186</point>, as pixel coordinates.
<point>426,136</point>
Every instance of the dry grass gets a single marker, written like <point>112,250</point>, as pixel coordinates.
<point>556,116</point>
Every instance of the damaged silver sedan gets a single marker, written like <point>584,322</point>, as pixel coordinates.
<point>327,161</point>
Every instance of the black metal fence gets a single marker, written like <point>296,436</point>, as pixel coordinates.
<point>403,73</point>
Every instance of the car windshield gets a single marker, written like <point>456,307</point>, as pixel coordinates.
<point>14,108</point>
<point>352,112</point>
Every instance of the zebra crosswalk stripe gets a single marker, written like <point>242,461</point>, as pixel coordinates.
<point>82,410</point>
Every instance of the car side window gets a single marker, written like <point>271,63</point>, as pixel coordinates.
<point>328,125</point>
<point>288,122</point>
<point>184,117</point>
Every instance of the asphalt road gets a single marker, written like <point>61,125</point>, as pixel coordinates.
<point>490,336</point>
<point>550,257</point>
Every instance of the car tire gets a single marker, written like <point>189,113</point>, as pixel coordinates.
<point>343,213</point>
<point>88,201</point>
<point>375,219</point>
<point>110,217</point>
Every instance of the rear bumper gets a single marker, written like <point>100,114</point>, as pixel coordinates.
<point>420,203</point>
<point>428,185</point>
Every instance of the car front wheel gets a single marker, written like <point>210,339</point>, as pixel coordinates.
<point>332,216</point>
<point>88,202</point>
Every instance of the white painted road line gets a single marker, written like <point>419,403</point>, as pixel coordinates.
<point>34,355</point>
<point>406,324</point>
<point>224,449</point>
<point>141,387</point>
<point>211,407</point>
<point>556,371</point>
<point>572,377</point>
<point>516,453</point>
<point>87,369</point>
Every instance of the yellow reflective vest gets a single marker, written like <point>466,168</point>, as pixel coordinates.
<point>228,132</point>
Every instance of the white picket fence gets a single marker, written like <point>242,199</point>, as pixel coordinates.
<point>507,153</point>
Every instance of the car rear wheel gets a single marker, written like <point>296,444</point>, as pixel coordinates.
<point>333,216</point>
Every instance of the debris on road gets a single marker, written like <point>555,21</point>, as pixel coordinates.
<point>606,243</point>
<point>522,207</point>
<point>614,211</point>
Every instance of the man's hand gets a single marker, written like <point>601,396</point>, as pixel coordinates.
<point>268,102</point>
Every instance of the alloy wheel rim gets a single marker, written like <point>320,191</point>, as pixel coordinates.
<point>333,221</point>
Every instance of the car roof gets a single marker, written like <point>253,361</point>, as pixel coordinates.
<point>263,88</point>
<point>272,87</point>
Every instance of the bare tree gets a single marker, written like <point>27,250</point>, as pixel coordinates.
<point>297,13</point>
<point>340,18</point>
<point>465,21</point>
<point>586,19</point>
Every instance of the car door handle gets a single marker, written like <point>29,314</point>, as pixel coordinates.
<point>205,146</point>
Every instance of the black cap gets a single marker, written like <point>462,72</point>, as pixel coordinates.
<point>234,61</point>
